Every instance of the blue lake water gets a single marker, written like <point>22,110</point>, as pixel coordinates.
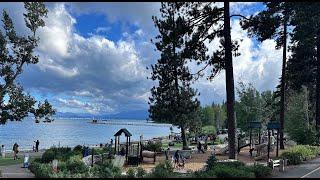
<point>71,132</point>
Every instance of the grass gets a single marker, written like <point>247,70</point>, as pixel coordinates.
<point>9,160</point>
<point>176,145</point>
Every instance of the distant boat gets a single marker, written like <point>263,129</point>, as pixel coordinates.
<point>37,121</point>
<point>94,120</point>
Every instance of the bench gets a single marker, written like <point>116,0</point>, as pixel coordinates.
<point>281,163</point>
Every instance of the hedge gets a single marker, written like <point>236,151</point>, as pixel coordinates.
<point>299,153</point>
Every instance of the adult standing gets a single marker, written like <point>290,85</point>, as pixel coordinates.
<point>15,151</point>
<point>37,145</point>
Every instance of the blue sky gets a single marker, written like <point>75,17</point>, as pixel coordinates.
<point>93,57</point>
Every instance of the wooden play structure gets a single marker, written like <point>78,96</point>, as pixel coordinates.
<point>134,151</point>
<point>273,126</point>
<point>264,149</point>
<point>252,126</point>
<point>117,142</point>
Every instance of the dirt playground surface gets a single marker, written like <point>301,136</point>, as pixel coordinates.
<point>198,160</point>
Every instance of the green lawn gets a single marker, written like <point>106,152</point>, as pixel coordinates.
<point>9,161</point>
<point>176,145</point>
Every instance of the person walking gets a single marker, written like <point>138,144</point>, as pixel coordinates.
<point>176,158</point>
<point>200,147</point>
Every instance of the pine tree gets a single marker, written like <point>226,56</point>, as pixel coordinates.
<point>272,23</point>
<point>173,100</point>
<point>304,63</point>
<point>208,22</point>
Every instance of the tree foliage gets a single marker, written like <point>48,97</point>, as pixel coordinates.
<point>16,51</point>
<point>44,110</point>
<point>173,100</point>
<point>254,106</point>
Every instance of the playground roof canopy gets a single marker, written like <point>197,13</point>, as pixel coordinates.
<point>255,124</point>
<point>273,125</point>
<point>123,130</point>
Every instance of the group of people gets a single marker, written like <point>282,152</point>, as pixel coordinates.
<point>15,149</point>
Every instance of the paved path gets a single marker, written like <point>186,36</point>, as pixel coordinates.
<point>310,169</point>
<point>15,171</point>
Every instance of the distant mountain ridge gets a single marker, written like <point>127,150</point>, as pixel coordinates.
<point>137,114</point>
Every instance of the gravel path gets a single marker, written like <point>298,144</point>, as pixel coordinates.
<point>15,171</point>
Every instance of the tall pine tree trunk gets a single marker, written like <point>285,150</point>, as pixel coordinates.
<point>318,83</point>
<point>176,83</point>
<point>283,83</point>
<point>183,137</point>
<point>229,83</point>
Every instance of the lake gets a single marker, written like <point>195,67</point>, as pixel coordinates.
<point>71,132</point>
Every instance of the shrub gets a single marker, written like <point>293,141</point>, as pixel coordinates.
<point>141,172</point>
<point>40,170</point>
<point>162,170</point>
<point>210,162</point>
<point>48,156</point>
<point>67,174</point>
<point>61,153</point>
<point>261,171</point>
<point>234,164</point>
<point>75,165</point>
<point>38,160</point>
<point>62,166</point>
<point>203,174</point>
<point>78,149</point>
<point>293,157</point>
<point>153,146</point>
<point>131,173</point>
<point>299,153</point>
<point>106,170</point>
<point>225,171</point>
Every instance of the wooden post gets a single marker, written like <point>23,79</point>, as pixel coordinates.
<point>127,150</point>
<point>259,135</point>
<point>277,143</point>
<point>115,145</point>
<point>281,169</point>
<point>130,146</point>
<point>268,143</point>
<point>118,144</point>
<point>92,157</point>
<point>250,138</point>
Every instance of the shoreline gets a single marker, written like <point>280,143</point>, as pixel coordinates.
<point>25,150</point>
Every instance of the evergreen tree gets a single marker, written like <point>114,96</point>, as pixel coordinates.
<point>268,24</point>
<point>304,63</point>
<point>173,100</point>
<point>208,22</point>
